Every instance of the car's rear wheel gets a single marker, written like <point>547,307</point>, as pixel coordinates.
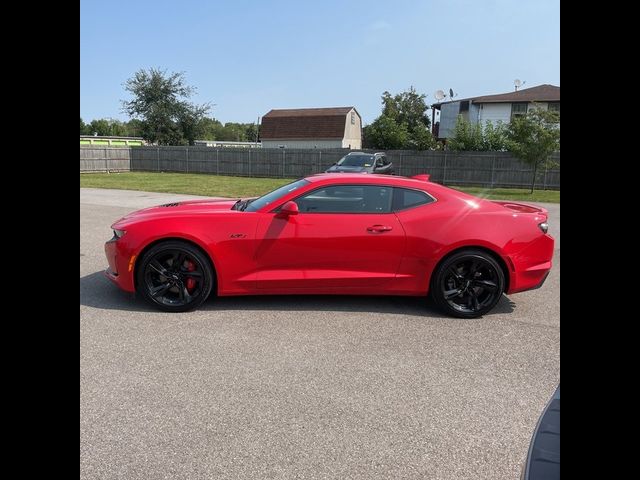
<point>468,284</point>
<point>174,276</point>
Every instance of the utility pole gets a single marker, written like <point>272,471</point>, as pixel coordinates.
<point>257,129</point>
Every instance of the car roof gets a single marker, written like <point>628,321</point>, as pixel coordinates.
<point>367,153</point>
<point>434,189</point>
<point>361,178</point>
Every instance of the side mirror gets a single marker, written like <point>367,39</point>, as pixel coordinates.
<point>289,208</point>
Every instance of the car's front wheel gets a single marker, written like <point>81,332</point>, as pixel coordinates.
<point>468,284</point>
<point>174,276</point>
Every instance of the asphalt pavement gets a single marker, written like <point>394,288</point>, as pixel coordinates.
<point>308,387</point>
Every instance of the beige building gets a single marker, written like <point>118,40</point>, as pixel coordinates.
<point>339,127</point>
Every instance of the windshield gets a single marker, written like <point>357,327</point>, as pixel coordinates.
<point>271,197</point>
<point>356,161</point>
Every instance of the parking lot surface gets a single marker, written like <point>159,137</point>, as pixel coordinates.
<point>309,387</point>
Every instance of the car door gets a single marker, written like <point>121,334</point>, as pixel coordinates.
<point>344,236</point>
<point>383,166</point>
<point>388,166</point>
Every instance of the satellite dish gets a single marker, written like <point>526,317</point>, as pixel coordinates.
<point>439,95</point>
<point>451,95</point>
<point>518,83</point>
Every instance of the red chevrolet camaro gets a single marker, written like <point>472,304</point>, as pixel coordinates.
<point>335,234</point>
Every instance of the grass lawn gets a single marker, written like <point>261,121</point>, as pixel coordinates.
<point>221,186</point>
<point>189,183</point>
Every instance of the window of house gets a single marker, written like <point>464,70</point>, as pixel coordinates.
<point>554,106</point>
<point>405,198</point>
<point>347,199</point>
<point>464,106</point>
<point>353,118</point>
<point>519,108</point>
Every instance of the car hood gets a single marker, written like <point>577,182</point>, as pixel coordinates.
<point>191,207</point>
<point>339,168</point>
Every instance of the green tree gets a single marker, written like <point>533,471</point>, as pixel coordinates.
<point>233,132</point>
<point>191,124</point>
<point>467,136</point>
<point>83,127</point>
<point>105,127</point>
<point>403,123</point>
<point>408,107</point>
<point>101,127</point>
<point>134,128</point>
<point>252,132</point>
<point>533,137</point>
<point>494,138</point>
<point>386,134</point>
<point>161,101</point>
<point>210,128</point>
<point>117,128</point>
<point>420,139</point>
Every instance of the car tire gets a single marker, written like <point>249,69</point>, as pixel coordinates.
<point>468,284</point>
<point>174,276</point>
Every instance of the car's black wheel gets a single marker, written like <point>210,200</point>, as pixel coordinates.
<point>468,284</point>
<point>174,276</point>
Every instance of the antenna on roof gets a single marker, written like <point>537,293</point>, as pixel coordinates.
<point>451,94</point>
<point>518,83</point>
<point>440,95</point>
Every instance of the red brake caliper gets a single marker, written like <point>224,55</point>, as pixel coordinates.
<point>191,283</point>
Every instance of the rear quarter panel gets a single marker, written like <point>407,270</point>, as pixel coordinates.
<point>437,229</point>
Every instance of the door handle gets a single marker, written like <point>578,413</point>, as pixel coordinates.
<point>379,228</point>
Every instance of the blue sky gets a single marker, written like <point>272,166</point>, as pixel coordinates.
<point>248,57</point>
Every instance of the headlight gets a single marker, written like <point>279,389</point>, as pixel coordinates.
<point>544,226</point>
<point>118,233</point>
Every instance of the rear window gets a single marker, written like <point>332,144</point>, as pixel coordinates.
<point>404,198</point>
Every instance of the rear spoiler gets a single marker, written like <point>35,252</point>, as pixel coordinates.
<point>424,177</point>
<point>522,207</point>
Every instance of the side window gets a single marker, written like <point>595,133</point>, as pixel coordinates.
<point>517,109</point>
<point>404,198</point>
<point>347,199</point>
<point>386,160</point>
<point>554,106</point>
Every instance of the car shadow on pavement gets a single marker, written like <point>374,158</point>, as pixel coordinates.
<point>98,292</point>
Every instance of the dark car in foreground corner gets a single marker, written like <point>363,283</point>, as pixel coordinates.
<point>543,458</point>
<point>335,234</point>
<point>362,162</point>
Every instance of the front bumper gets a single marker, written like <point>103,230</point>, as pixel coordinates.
<point>121,262</point>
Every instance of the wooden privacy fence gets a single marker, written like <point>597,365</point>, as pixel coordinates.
<point>105,159</point>
<point>485,169</point>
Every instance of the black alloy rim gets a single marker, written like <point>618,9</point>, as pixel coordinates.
<point>470,285</point>
<point>173,277</point>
